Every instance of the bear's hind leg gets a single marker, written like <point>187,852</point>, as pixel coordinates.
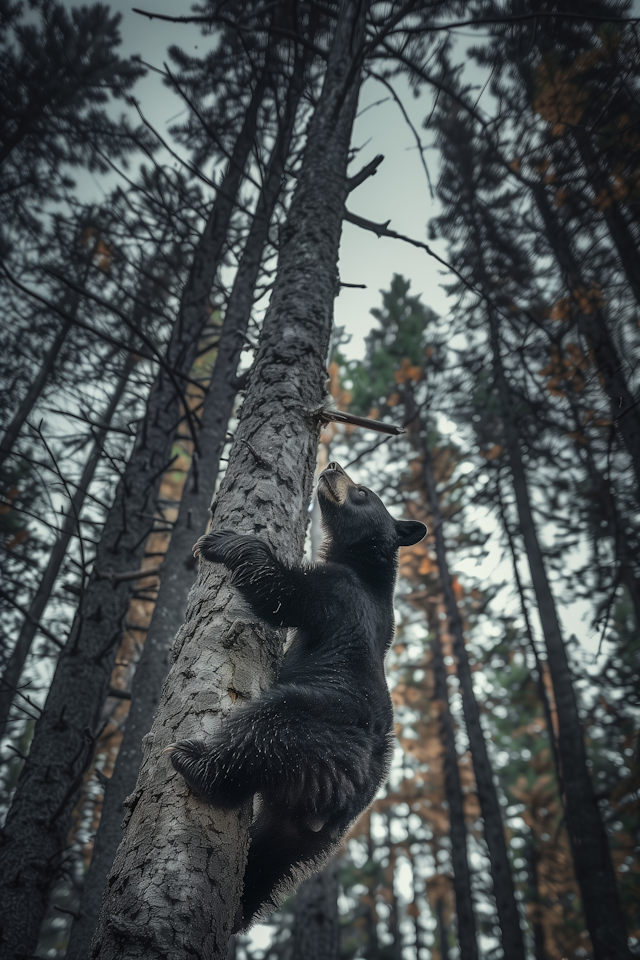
<point>278,845</point>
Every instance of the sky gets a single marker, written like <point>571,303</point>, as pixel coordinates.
<point>398,191</point>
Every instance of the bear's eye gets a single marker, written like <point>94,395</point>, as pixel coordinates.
<point>362,493</point>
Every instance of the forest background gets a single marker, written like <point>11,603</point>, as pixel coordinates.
<point>143,205</point>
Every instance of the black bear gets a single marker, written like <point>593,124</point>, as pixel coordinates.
<point>316,746</point>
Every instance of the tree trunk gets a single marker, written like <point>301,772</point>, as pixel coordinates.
<point>508,915</point>
<point>32,394</point>
<point>455,799</point>
<point>594,328</point>
<point>178,564</point>
<point>15,663</point>
<point>612,213</point>
<point>443,932</point>
<point>35,834</point>
<point>175,885</point>
<point>316,930</point>
<point>605,494</point>
<point>540,666</point>
<point>536,914</point>
<point>591,857</point>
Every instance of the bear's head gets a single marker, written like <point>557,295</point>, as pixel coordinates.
<point>353,515</point>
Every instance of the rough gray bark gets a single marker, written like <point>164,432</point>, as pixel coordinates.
<point>316,930</point>
<point>35,833</point>
<point>455,799</point>
<point>503,889</point>
<point>175,885</point>
<point>589,846</point>
<point>177,574</point>
<point>15,663</point>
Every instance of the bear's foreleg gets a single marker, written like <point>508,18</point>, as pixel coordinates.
<point>274,591</point>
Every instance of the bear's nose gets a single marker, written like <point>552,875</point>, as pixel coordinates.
<point>335,466</point>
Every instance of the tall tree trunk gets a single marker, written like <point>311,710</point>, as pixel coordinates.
<point>594,328</point>
<point>316,930</point>
<point>455,799</point>
<point>33,393</point>
<point>178,569</point>
<point>591,857</point>
<point>604,492</point>
<point>35,834</point>
<point>541,667</point>
<point>175,885</point>
<point>536,914</point>
<point>46,367</point>
<point>612,212</point>
<point>443,931</point>
<point>508,915</point>
<point>15,663</point>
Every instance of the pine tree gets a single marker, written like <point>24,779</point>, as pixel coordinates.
<point>483,246</point>
<point>276,442</point>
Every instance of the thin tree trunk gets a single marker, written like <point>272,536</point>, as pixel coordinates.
<point>35,833</point>
<point>316,930</point>
<point>612,213</point>
<point>178,569</point>
<point>540,666</point>
<point>46,368</point>
<point>508,915</point>
<point>591,856</point>
<point>13,669</point>
<point>175,886</point>
<point>536,919</point>
<point>455,799</point>
<point>595,329</point>
<point>33,393</point>
<point>604,492</point>
<point>443,932</point>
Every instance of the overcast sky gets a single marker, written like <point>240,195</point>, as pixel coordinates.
<point>398,192</point>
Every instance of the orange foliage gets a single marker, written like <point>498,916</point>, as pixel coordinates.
<point>565,369</point>
<point>408,372</point>
<point>563,93</point>
<point>495,451</point>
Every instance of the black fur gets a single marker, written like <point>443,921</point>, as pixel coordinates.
<point>316,746</point>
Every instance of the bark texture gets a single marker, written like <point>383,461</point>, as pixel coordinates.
<point>35,834</point>
<point>503,889</point>
<point>592,860</point>
<point>178,570</point>
<point>175,885</point>
<point>316,931</point>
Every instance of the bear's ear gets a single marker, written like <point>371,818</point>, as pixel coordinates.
<point>410,531</point>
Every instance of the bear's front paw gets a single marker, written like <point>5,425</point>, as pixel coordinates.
<point>215,546</point>
<point>206,774</point>
<point>191,759</point>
